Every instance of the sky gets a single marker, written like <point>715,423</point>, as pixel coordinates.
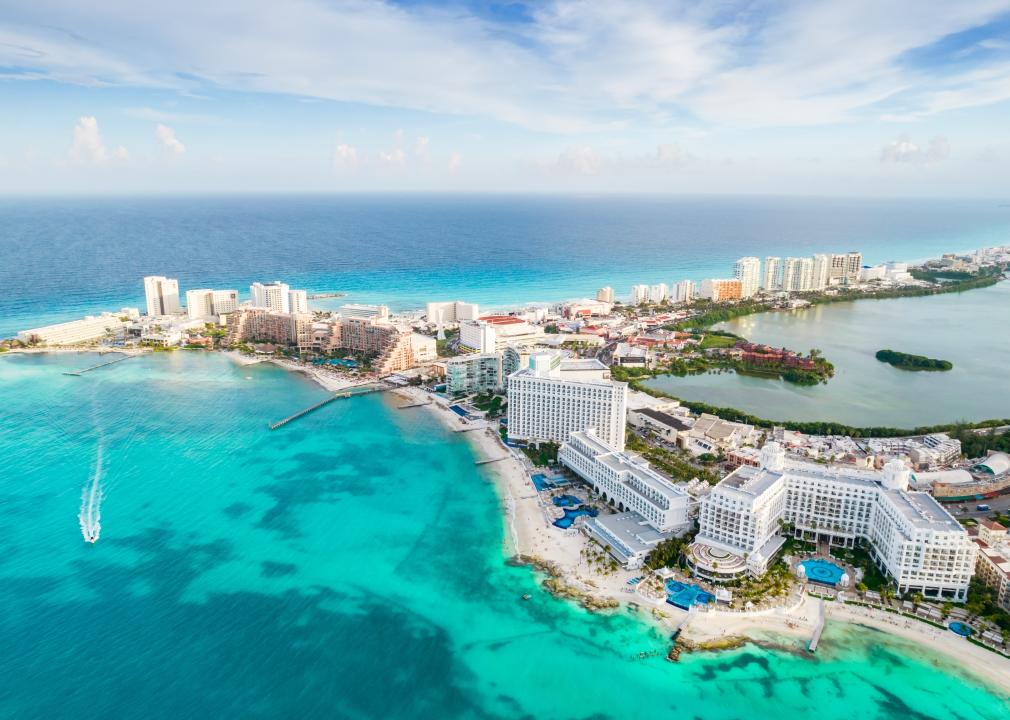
<point>852,97</point>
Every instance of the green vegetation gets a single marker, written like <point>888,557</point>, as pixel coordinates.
<point>674,464</point>
<point>976,444</point>
<point>904,361</point>
<point>775,583</point>
<point>669,552</point>
<point>490,403</point>
<point>442,346</point>
<point>982,602</point>
<point>543,455</point>
<point>718,314</point>
<point>714,339</point>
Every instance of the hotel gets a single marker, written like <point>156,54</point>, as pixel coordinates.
<point>748,271</point>
<point>76,332</point>
<point>721,290</point>
<point>910,536</point>
<point>553,397</point>
<point>206,303</point>
<point>162,295</point>
<point>474,373</point>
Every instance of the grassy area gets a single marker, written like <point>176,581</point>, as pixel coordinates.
<point>544,455</point>
<point>711,340</point>
<point>670,462</point>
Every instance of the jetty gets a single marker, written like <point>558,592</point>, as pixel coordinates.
<point>353,391</point>
<point>78,373</point>
<point>486,461</point>
<point>812,647</point>
<point>414,405</point>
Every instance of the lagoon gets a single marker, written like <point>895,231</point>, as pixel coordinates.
<point>350,565</point>
<point>970,329</point>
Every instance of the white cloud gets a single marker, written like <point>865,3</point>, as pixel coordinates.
<point>121,153</point>
<point>88,146</point>
<point>345,156</point>
<point>581,160</point>
<point>421,146</point>
<point>396,156</point>
<point>455,162</point>
<point>903,150</point>
<point>168,140</point>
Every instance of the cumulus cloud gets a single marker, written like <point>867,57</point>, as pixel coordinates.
<point>421,146</point>
<point>88,146</point>
<point>345,156</point>
<point>581,160</point>
<point>169,142</point>
<point>903,150</point>
<point>396,156</point>
<point>455,162</point>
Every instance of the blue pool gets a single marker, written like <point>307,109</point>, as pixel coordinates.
<point>567,501</point>
<point>822,571</point>
<point>343,363</point>
<point>541,482</point>
<point>961,629</point>
<point>570,514</point>
<point>458,410</point>
<point>684,596</point>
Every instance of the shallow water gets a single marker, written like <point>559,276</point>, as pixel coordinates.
<point>970,329</point>
<point>347,566</point>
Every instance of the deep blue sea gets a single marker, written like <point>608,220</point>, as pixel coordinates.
<point>353,564</point>
<point>62,257</point>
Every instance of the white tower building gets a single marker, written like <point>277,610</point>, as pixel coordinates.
<point>748,271</point>
<point>275,296</point>
<point>771,278</point>
<point>162,295</point>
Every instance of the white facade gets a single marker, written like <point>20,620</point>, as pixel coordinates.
<point>378,313</point>
<point>719,289</point>
<point>684,291</point>
<point>627,481</point>
<point>274,296</point>
<point>424,347</point>
<point>85,330</point>
<point>658,293</point>
<point>298,301</point>
<point>639,294</point>
<point>748,271</point>
<point>553,398</point>
<point>206,303</point>
<point>797,274</point>
<point>162,295</point>
<point>912,538</point>
<point>771,278</point>
<point>452,312</point>
<point>478,336</point>
<point>821,274</point>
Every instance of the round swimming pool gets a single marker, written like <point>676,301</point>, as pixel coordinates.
<point>822,571</point>
<point>961,629</point>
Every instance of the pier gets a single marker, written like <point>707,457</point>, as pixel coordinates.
<point>812,647</point>
<point>78,373</point>
<point>350,392</point>
<point>414,405</point>
<point>487,461</point>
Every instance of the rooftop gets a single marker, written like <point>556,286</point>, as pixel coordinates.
<point>665,418</point>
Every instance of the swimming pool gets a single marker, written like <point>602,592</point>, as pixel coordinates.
<point>684,596</point>
<point>961,629</point>
<point>570,514</point>
<point>567,501</point>
<point>823,572</point>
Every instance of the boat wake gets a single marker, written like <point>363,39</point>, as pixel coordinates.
<point>91,504</point>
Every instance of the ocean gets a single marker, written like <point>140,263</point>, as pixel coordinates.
<point>350,565</point>
<point>65,257</point>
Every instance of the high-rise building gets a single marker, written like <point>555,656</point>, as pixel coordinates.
<point>821,272</point>
<point>683,291</point>
<point>639,294</point>
<point>554,397</point>
<point>452,312</point>
<point>771,278</point>
<point>658,293</point>
<point>298,301</point>
<point>379,313</point>
<point>910,536</point>
<point>162,295</point>
<point>474,373</point>
<point>853,264</point>
<point>797,274</point>
<point>605,294</point>
<point>206,303</point>
<point>274,296</point>
<point>478,336</point>
<point>748,271</point>
<point>720,290</point>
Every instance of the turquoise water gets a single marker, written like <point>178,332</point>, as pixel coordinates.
<point>348,566</point>
<point>822,571</point>
<point>969,329</point>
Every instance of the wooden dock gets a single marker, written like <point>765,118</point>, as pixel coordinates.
<point>77,373</point>
<point>486,461</point>
<point>353,391</point>
<point>414,405</point>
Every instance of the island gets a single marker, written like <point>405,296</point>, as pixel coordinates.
<point>904,361</point>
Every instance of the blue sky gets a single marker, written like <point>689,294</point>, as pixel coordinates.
<point>847,97</point>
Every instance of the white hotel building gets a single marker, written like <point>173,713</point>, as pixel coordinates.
<point>554,397</point>
<point>910,536</point>
<point>627,481</point>
<point>206,303</point>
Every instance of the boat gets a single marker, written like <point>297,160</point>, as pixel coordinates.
<point>527,596</point>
